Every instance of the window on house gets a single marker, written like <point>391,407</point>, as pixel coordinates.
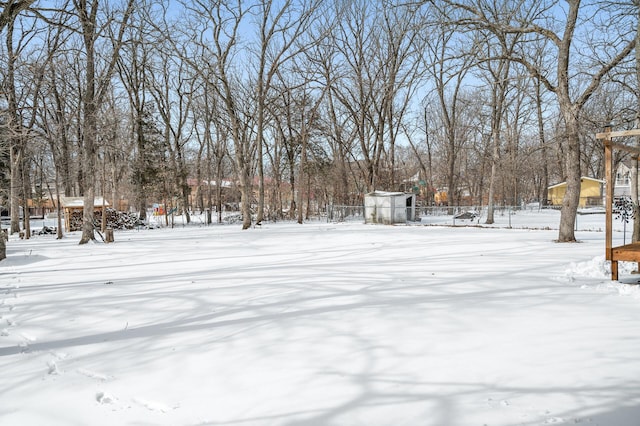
<point>622,179</point>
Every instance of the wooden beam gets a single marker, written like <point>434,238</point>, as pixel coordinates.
<point>631,149</point>
<point>617,134</point>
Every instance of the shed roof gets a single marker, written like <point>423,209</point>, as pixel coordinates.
<point>385,194</point>
<point>78,202</point>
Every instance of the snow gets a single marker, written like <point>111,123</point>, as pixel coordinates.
<point>78,202</point>
<point>321,324</point>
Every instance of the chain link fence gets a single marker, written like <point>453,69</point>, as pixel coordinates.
<point>527,215</point>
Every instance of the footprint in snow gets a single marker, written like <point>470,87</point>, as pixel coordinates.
<point>52,368</point>
<point>493,404</point>
<point>93,375</point>
<point>59,355</point>
<point>28,338</point>
<point>105,398</point>
<point>152,405</point>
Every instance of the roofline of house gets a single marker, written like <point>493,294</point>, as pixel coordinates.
<point>581,178</point>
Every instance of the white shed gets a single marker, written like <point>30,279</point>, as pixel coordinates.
<point>389,207</point>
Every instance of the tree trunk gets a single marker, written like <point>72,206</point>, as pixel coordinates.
<point>219,177</point>
<point>545,168</point>
<point>140,165</point>
<point>26,193</point>
<point>16,161</point>
<point>93,94</point>
<point>301,182</point>
<point>90,120</point>
<point>260,141</point>
<point>571,199</point>
<point>89,133</point>
<point>59,234</point>
<point>3,244</point>
<point>16,151</point>
<point>245,198</point>
<point>492,184</point>
<point>496,123</point>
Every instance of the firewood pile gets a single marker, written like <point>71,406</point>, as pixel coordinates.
<point>115,219</point>
<point>75,221</point>
<point>118,220</point>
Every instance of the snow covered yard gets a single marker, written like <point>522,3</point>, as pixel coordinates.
<point>318,324</point>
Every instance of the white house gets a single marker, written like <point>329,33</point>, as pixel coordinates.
<point>622,185</point>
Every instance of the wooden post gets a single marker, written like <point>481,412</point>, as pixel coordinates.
<point>103,221</point>
<point>67,219</point>
<point>608,172</point>
<point>609,146</point>
<point>108,235</point>
<point>610,182</point>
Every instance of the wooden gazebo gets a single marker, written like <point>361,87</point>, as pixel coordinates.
<point>627,252</point>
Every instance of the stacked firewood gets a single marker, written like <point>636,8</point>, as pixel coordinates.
<point>115,220</point>
<point>75,220</point>
<point>118,220</point>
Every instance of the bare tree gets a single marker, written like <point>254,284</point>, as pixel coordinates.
<point>59,118</point>
<point>221,22</point>
<point>336,123</point>
<point>56,115</point>
<point>307,105</point>
<point>608,52</point>
<point>24,80</point>
<point>400,70</point>
<point>134,65</point>
<point>280,30</point>
<point>448,65</point>
<point>353,85</point>
<point>422,152</point>
<point>284,152</point>
<point>212,138</point>
<point>377,52</point>
<point>96,85</point>
<point>542,142</point>
<point>172,89</point>
<point>495,61</point>
<point>11,9</point>
<point>15,132</point>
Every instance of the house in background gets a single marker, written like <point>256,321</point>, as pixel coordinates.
<point>622,185</point>
<point>201,189</point>
<point>591,192</point>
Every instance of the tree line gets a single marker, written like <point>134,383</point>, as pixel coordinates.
<point>308,103</point>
